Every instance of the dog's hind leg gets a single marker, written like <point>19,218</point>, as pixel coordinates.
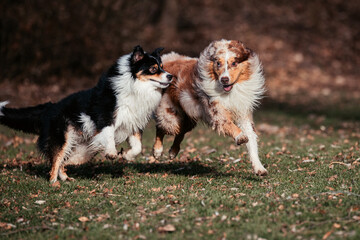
<point>62,154</point>
<point>158,145</point>
<point>135,146</point>
<point>169,119</point>
<point>81,154</point>
<point>62,174</point>
<point>57,161</point>
<point>175,148</point>
<point>186,126</point>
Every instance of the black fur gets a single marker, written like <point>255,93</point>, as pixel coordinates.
<point>50,120</point>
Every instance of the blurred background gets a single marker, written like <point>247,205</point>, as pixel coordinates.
<point>310,49</point>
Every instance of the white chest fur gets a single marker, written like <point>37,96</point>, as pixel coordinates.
<point>135,103</point>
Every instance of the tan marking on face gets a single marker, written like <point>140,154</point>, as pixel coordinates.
<point>154,68</point>
<point>218,66</point>
<point>239,73</point>
<point>144,77</point>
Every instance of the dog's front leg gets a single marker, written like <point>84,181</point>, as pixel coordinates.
<point>221,121</point>
<point>106,140</point>
<point>135,146</point>
<point>247,126</point>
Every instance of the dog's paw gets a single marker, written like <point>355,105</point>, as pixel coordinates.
<point>260,171</point>
<point>173,152</point>
<point>53,180</point>
<point>241,138</point>
<point>157,152</point>
<point>128,156</point>
<point>111,156</point>
<point>70,179</point>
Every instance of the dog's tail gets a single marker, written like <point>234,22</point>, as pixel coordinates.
<point>24,119</point>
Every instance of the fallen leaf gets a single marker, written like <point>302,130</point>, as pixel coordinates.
<point>295,195</point>
<point>167,228</point>
<point>7,226</point>
<point>102,217</point>
<point>326,235</point>
<point>156,189</point>
<point>83,219</point>
<point>336,225</point>
<point>332,178</point>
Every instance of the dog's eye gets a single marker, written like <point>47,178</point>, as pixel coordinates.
<point>218,64</point>
<point>234,64</point>
<point>153,69</point>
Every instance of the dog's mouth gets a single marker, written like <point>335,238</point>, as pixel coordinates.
<point>228,87</point>
<point>162,84</point>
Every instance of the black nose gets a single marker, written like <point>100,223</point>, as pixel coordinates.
<point>169,77</point>
<point>224,80</point>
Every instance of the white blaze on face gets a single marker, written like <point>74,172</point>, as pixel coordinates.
<point>226,67</point>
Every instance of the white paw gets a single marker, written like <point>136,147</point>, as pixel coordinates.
<point>128,156</point>
<point>260,170</point>
<point>157,152</point>
<point>111,154</point>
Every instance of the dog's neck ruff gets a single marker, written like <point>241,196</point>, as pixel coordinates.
<point>135,100</point>
<point>243,97</point>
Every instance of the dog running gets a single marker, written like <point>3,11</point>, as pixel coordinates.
<point>74,129</point>
<point>221,87</point>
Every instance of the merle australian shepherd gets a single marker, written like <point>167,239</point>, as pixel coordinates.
<point>74,129</point>
<point>221,88</point>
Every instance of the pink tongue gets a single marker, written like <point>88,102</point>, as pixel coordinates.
<point>228,88</point>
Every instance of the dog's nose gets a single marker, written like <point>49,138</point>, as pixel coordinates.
<point>224,80</point>
<point>169,77</point>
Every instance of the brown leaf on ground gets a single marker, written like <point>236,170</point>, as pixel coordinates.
<point>84,219</point>
<point>167,228</point>
<point>55,184</point>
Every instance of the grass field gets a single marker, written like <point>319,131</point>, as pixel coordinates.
<point>312,190</point>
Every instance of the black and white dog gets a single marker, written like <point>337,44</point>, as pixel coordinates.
<point>74,129</point>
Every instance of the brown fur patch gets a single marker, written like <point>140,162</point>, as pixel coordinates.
<point>183,71</point>
<point>240,73</point>
<point>241,51</point>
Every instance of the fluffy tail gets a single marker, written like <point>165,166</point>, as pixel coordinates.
<point>23,119</point>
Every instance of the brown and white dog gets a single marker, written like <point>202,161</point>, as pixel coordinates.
<point>221,88</point>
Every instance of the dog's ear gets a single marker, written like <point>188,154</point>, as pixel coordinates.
<point>137,54</point>
<point>249,52</point>
<point>157,52</point>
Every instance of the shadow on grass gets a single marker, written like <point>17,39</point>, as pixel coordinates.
<point>117,169</point>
